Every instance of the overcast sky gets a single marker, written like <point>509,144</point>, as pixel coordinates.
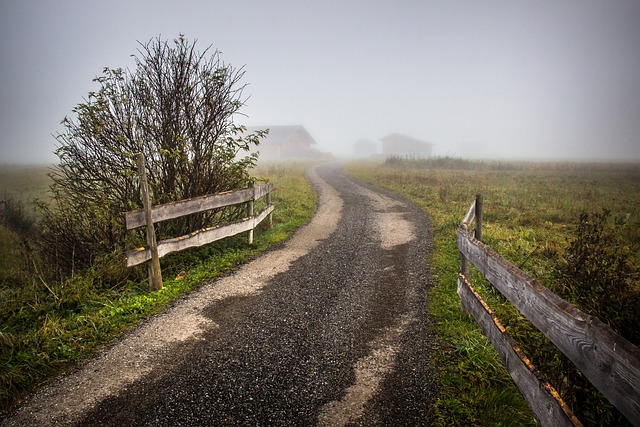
<point>542,79</point>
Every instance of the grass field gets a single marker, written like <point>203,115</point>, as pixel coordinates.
<point>24,183</point>
<point>47,326</point>
<point>531,212</point>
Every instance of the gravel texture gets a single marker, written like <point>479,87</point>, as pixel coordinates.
<point>329,329</point>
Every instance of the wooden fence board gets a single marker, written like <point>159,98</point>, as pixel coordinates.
<point>262,215</point>
<point>544,401</point>
<point>136,218</point>
<point>198,238</point>
<point>611,363</point>
<point>261,190</point>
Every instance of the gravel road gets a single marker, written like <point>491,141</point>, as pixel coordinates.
<point>329,329</point>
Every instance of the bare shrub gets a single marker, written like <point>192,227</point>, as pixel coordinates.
<point>177,106</point>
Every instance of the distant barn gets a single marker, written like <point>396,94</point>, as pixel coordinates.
<point>399,145</point>
<point>287,143</point>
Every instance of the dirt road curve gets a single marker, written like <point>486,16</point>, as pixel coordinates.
<point>329,329</point>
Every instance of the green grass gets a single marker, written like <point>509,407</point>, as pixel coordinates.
<point>530,214</point>
<point>531,211</point>
<point>46,327</point>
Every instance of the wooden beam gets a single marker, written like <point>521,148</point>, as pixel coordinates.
<point>265,212</point>
<point>195,239</point>
<point>478,212</point>
<point>544,401</point>
<point>610,362</point>
<point>262,190</point>
<point>136,218</point>
<point>270,214</point>
<point>198,238</point>
<point>250,215</point>
<point>155,273</point>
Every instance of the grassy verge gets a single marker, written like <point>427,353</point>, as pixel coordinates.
<point>47,327</point>
<point>531,211</point>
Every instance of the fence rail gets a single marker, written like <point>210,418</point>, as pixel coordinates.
<point>198,238</point>
<point>149,215</point>
<point>135,219</point>
<point>608,361</point>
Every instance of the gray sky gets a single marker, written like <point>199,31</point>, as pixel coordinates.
<point>512,78</point>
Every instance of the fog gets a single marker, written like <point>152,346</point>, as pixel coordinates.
<point>493,79</point>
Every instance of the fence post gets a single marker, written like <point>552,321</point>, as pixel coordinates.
<point>155,274</point>
<point>270,213</point>
<point>464,266</point>
<point>479,202</point>
<point>250,214</point>
<point>464,262</point>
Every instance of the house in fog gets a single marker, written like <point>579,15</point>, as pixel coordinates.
<point>399,145</point>
<point>287,143</point>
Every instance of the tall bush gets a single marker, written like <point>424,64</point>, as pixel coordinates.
<point>598,273</point>
<point>177,106</point>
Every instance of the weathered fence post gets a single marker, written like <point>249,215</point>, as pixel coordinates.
<point>464,262</point>
<point>250,214</point>
<point>479,202</point>
<point>155,274</point>
<point>464,266</point>
<point>466,223</point>
<point>270,213</point>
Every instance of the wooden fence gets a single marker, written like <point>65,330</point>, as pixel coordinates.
<point>149,215</point>
<point>608,361</point>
